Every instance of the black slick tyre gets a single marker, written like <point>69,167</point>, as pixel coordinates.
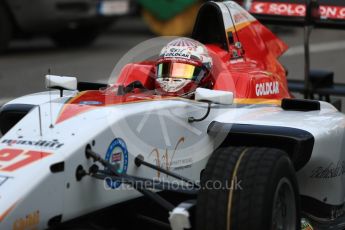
<point>248,188</point>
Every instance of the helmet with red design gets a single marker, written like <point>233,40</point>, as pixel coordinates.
<point>183,65</point>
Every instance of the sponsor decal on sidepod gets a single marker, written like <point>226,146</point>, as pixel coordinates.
<point>267,88</point>
<point>41,143</point>
<point>29,222</point>
<point>117,154</point>
<point>330,171</point>
<point>166,159</point>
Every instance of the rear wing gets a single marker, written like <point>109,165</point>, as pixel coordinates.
<point>321,13</point>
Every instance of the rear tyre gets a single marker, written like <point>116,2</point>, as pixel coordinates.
<point>6,29</point>
<point>78,37</point>
<point>248,188</point>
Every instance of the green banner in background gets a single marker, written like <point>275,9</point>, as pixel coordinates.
<point>166,9</point>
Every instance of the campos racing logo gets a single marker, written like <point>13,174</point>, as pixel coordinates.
<point>117,155</point>
<point>267,88</point>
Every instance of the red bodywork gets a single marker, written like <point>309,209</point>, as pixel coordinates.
<point>252,72</point>
<point>257,74</point>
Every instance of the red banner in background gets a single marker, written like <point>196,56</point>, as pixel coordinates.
<point>295,10</point>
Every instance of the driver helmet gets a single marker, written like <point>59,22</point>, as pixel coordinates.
<point>183,65</point>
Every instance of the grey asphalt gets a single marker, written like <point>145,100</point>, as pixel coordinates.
<point>23,68</point>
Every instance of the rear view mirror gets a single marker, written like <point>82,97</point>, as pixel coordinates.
<point>61,82</point>
<point>214,96</point>
<point>211,96</point>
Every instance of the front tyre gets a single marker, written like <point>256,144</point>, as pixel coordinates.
<point>248,188</point>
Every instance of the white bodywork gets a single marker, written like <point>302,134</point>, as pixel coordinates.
<point>149,128</point>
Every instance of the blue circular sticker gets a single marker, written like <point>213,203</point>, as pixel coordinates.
<point>117,154</point>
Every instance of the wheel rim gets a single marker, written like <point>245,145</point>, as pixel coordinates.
<point>284,207</point>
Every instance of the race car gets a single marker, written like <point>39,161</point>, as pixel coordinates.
<point>246,152</point>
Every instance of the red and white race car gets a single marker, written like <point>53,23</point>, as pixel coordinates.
<point>247,154</point>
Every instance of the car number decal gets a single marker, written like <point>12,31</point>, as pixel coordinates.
<point>14,159</point>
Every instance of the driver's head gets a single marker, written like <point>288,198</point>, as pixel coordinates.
<point>183,65</point>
